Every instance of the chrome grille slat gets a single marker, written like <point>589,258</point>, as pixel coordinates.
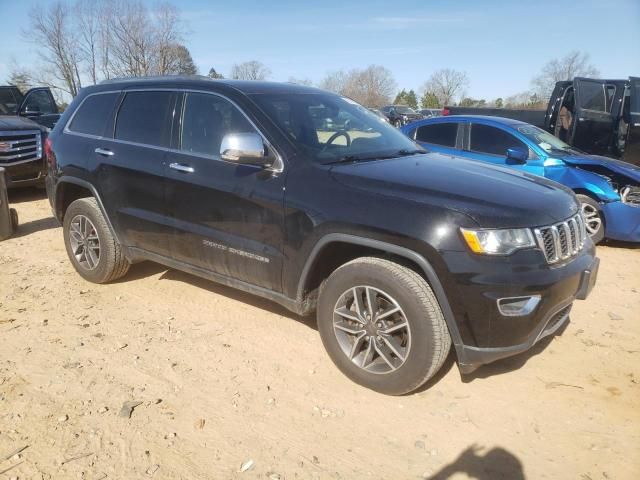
<point>20,146</point>
<point>573,227</point>
<point>557,248</point>
<point>562,240</point>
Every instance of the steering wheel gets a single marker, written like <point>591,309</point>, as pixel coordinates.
<point>340,133</point>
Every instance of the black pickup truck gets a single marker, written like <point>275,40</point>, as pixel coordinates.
<point>25,120</point>
<point>402,253</point>
<point>601,117</point>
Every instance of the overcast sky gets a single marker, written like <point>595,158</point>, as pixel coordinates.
<point>501,45</point>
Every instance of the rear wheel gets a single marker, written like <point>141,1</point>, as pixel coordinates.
<point>593,218</point>
<point>91,247</point>
<point>382,326</point>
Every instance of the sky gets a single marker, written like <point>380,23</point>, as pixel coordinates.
<point>500,44</point>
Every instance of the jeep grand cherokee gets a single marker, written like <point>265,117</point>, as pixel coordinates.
<point>400,252</point>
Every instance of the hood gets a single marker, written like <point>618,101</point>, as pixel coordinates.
<point>616,166</point>
<point>11,122</point>
<point>494,197</point>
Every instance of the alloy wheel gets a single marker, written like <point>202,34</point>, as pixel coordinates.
<point>372,329</point>
<point>592,219</point>
<point>84,241</point>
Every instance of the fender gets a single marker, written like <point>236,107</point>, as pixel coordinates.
<point>94,192</point>
<point>578,179</point>
<point>418,259</point>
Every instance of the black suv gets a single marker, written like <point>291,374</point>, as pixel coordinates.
<point>402,253</point>
<point>399,115</point>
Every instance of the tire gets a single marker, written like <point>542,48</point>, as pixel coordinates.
<point>424,343</point>
<point>103,264</point>
<point>593,216</point>
<point>397,123</point>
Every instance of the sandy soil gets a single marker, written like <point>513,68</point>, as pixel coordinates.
<point>225,378</point>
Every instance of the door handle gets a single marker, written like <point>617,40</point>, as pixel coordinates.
<point>104,152</point>
<point>182,167</point>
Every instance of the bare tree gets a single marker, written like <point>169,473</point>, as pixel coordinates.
<point>132,39</point>
<point>335,81</point>
<point>167,35</point>
<point>447,85</point>
<point>52,30</point>
<point>20,78</point>
<point>573,64</point>
<point>374,86</point>
<point>252,70</point>
<point>88,35</point>
<point>105,36</point>
<point>95,39</point>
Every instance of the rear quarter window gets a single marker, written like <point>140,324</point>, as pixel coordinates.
<point>438,134</point>
<point>93,114</point>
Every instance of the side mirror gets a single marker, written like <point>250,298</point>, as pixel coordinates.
<point>517,155</point>
<point>247,148</point>
<point>32,110</point>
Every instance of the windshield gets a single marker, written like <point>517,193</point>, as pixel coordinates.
<point>8,102</point>
<point>544,140</point>
<point>405,110</point>
<point>331,128</point>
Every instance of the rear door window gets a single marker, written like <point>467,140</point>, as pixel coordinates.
<point>438,134</point>
<point>145,117</point>
<point>94,113</point>
<point>492,140</point>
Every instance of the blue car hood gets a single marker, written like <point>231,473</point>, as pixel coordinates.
<point>615,166</point>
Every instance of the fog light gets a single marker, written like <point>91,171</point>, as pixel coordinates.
<point>518,306</point>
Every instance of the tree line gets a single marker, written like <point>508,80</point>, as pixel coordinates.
<point>83,42</point>
<point>375,85</point>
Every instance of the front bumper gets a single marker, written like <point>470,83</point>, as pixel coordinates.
<point>488,335</point>
<point>25,174</point>
<point>622,221</point>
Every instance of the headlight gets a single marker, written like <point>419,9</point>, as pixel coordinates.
<point>498,242</point>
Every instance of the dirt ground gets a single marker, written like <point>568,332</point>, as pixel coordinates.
<point>226,380</point>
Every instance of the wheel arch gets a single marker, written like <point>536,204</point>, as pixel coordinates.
<point>352,246</point>
<point>69,189</point>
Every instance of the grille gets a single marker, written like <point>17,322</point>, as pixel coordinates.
<point>562,240</point>
<point>20,146</point>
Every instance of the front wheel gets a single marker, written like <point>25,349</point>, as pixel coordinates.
<point>593,218</point>
<point>382,325</point>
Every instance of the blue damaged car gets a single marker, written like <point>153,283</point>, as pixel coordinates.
<point>608,189</point>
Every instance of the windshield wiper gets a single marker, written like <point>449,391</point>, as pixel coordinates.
<point>362,158</point>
